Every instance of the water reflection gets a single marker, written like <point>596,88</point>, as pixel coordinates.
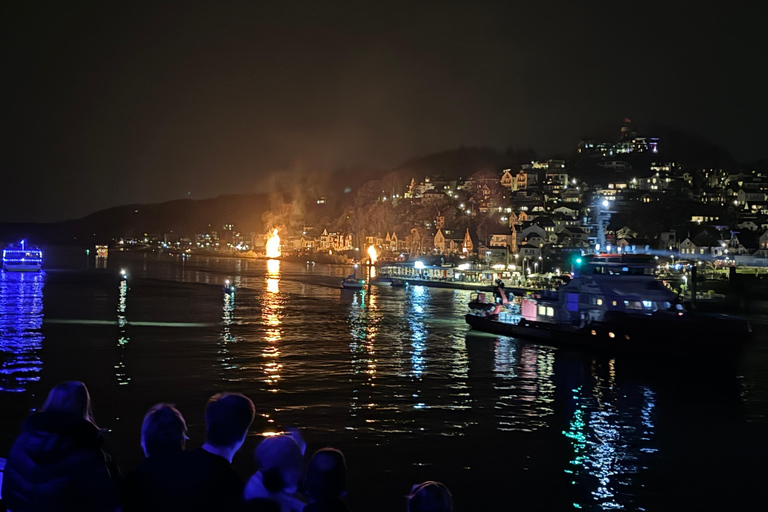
<point>419,298</point>
<point>364,319</point>
<point>525,391</point>
<point>226,338</point>
<point>611,433</point>
<point>21,318</point>
<point>272,306</point>
<point>122,337</point>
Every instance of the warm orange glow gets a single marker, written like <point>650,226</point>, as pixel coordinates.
<point>372,254</point>
<point>273,245</point>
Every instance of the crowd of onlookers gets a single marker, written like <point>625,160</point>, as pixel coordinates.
<point>57,464</point>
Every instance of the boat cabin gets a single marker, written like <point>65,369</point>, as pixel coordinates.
<point>605,284</point>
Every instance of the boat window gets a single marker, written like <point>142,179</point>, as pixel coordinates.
<point>550,311</point>
<point>599,302</point>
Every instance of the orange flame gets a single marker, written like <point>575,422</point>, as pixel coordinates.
<point>273,245</point>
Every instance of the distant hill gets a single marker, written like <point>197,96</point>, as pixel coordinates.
<point>319,198</point>
<point>294,200</point>
<point>184,217</point>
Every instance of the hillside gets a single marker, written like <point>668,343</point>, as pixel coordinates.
<point>184,216</point>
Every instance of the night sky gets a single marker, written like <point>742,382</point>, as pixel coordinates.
<point>131,102</point>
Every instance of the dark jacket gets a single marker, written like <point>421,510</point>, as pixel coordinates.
<point>57,465</point>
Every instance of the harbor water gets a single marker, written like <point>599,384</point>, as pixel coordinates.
<point>391,376</point>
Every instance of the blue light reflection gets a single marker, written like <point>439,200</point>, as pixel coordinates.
<point>21,319</point>
<point>611,434</point>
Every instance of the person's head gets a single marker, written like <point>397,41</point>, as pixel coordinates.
<point>228,417</point>
<point>280,462</point>
<point>163,431</point>
<point>70,398</point>
<point>326,477</point>
<point>430,497</point>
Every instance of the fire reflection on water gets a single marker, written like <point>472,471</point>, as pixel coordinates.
<point>364,319</point>
<point>272,307</point>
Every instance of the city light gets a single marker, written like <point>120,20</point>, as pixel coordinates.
<point>372,254</point>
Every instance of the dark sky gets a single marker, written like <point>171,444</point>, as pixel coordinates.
<point>144,102</point>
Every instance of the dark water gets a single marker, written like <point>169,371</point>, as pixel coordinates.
<point>392,377</point>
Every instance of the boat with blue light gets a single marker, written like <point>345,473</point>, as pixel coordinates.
<point>22,258</point>
<point>613,303</point>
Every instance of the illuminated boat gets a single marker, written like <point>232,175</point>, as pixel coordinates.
<point>616,304</point>
<point>22,258</point>
<point>353,283</point>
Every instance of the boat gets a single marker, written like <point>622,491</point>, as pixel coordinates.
<point>352,282</point>
<point>397,283</point>
<point>614,303</point>
<point>22,258</point>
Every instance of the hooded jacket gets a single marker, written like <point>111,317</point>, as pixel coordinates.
<point>57,465</point>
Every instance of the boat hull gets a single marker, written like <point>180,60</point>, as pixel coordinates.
<point>353,284</point>
<point>690,336</point>
<point>22,268</point>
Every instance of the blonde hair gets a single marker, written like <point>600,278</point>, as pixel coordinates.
<point>70,398</point>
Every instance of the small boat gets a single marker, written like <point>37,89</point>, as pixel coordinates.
<point>616,305</point>
<point>353,283</point>
<point>22,258</point>
<point>397,283</point>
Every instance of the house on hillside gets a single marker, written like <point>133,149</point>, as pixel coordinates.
<point>499,240</point>
<point>433,196</point>
<point>444,245</point>
<point>508,180</point>
<point>625,232</point>
<point>439,219</point>
<point>334,241</point>
<point>395,244</point>
<point>630,244</point>
<point>529,252</point>
<point>532,230</point>
<point>567,211</point>
<point>705,243</point>
<point>467,247</point>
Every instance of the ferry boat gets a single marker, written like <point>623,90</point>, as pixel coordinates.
<point>614,303</point>
<point>22,258</point>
